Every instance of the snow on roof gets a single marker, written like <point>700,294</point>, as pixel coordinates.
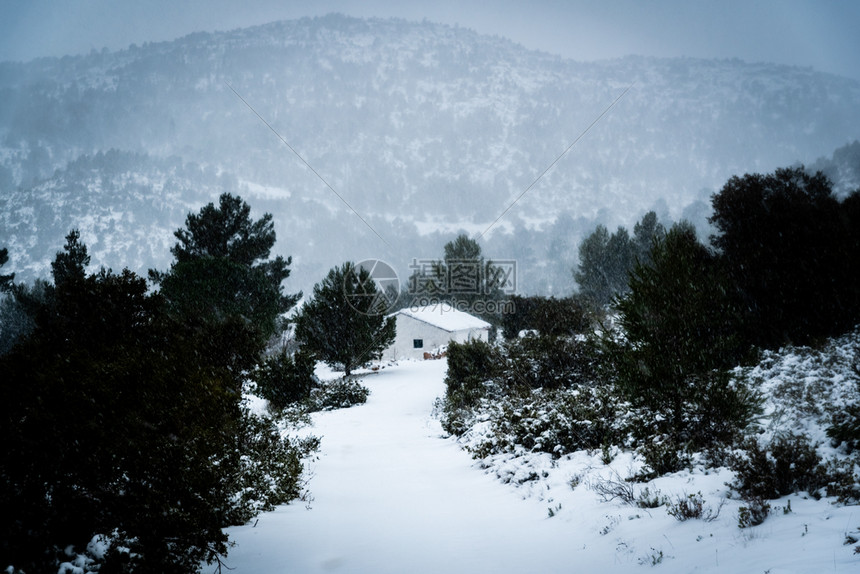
<point>444,316</point>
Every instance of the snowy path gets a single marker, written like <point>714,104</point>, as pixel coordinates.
<point>391,496</point>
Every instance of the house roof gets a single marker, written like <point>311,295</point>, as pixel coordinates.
<point>445,317</point>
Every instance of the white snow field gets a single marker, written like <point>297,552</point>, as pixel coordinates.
<point>391,494</point>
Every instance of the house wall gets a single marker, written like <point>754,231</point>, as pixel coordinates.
<point>409,329</point>
<point>470,335</point>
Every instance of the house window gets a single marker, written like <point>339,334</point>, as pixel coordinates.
<point>417,343</point>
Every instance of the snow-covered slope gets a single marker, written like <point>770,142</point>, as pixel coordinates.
<point>416,127</point>
<point>391,494</point>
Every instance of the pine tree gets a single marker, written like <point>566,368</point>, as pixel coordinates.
<point>225,232</point>
<point>70,266</point>
<point>120,420</point>
<point>787,241</point>
<point>645,233</point>
<point>605,261</point>
<point>339,324</point>
<point>223,280</point>
<point>113,425</point>
<point>5,280</point>
<point>463,276</point>
<point>681,322</point>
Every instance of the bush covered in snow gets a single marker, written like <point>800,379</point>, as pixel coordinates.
<point>788,464</point>
<point>783,444</point>
<point>557,421</point>
<point>804,440</point>
<point>845,429</point>
<point>530,394</point>
<point>548,362</point>
<point>692,507</point>
<point>270,466</point>
<point>472,368</point>
<point>337,394</point>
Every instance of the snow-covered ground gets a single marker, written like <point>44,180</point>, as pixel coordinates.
<point>391,494</point>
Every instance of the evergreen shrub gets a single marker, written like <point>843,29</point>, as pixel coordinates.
<point>284,379</point>
<point>788,464</point>
<point>338,394</point>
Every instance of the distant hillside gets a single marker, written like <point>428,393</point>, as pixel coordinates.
<point>422,129</point>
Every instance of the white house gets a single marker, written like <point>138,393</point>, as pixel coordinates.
<point>426,329</point>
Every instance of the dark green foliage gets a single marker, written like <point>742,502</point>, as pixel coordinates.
<point>846,275</point>
<point>470,364</point>
<point>791,247</point>
<point>468,276</point>
<point>683,305</point>
<point>463,249</point>
<point>537,393</point>
<point>5,280</point>
<point>850,219</point>
<point>106,434</point>
<point>548,362</point>
<point>843,480</point>
<point>602,270</point>
<point>122,418</point>
<point>646,233</point>
<point>691,507</point>
<point>754,513</point>
<point>284,379</point>
<point>269,468</point>
<point>845,424</point>
<point>225,232</point>
<point>463,278</point>
<point>561,317</point>
<point>547,315</point>
<point>661,456</point>
<point>846,427</point>
<point>338,394</point>
<point>222,274</point>
<point>680,322</point>
<point>789,464</point>
<point>70,265</point>
<point>339,324</point>
<point>647,499</point>
<point>723,409</point>
<point>221,288</point>
<point>605,260</point>
<point>520,318</point>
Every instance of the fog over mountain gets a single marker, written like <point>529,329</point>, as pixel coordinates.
<point>421,130</point>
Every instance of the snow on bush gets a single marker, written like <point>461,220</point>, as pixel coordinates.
<point>539,440</point>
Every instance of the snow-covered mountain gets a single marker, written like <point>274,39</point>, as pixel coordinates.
<point>420,129</point>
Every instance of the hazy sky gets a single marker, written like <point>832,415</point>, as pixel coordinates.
<point>824,34</point>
